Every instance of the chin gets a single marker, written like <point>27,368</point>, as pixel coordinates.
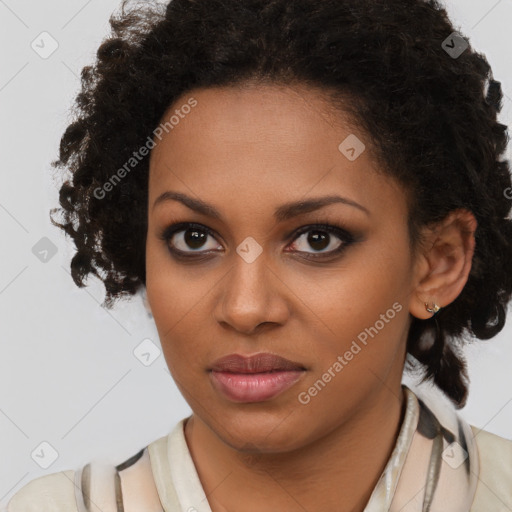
<point>252,433</point>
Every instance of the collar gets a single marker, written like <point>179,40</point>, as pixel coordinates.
<point>433,467</point>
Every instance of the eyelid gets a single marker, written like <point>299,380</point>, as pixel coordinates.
<point>169,231</point>
<point>337,228</point>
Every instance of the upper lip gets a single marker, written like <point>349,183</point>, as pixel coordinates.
<point>263,362</point>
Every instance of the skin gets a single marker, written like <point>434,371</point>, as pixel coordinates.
<point>247,151</point>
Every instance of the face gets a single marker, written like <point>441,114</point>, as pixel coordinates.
<point>325,286</point>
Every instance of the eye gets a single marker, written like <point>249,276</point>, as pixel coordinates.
<point>322,238</point>
<point>190,240</point>
<point>184,236</point>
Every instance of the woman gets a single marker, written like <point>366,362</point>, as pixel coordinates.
<point>308,192</point>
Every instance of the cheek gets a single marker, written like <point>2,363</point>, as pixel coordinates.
<point>159,285</point>
<point>365,300</point>
<point>177,299</point>
<point>167,288</point>
<point>165,294</point>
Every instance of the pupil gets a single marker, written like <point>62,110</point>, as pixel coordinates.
<point>194,238</point>
<point>318,240</point>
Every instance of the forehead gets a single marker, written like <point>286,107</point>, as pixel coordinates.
<point>267,142</point>
<point>251,115</point>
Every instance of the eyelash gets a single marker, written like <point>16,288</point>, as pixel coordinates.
<point>343,234</point>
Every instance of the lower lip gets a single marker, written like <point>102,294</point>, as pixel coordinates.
<point>254,387</point>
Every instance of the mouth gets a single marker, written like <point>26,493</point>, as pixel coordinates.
<point>258,363</point>
<point>254,379</point>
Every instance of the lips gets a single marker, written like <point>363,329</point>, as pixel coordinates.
<point>256,378</point>
<point>258,363</point>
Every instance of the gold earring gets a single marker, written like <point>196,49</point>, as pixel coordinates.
<point>434,309</point>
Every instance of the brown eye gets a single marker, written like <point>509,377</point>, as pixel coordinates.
<point>322,239</point>
<point>194,238</point>
<point>190,239</point>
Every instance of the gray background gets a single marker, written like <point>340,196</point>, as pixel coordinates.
<point>68,375</point>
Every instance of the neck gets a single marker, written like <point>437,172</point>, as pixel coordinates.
<point>341,467</point>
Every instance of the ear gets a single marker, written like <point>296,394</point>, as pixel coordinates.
<point>443,262</point>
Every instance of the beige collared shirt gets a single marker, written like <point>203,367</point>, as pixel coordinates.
<point>439,464</point>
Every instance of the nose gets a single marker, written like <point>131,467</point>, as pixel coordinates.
<point>252,294</point>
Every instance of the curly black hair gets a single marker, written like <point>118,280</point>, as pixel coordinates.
<point>426,101</point>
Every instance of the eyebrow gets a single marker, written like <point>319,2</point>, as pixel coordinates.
<point>282,213</point>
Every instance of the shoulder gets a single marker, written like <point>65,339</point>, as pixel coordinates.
<point>494,491</point>
<point>104,485</point>
<point>54,492</point>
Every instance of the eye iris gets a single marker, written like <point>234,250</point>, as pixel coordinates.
<point>318,240</point>
<point>195,238</point>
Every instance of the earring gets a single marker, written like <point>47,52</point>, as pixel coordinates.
<point>432,309</point>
